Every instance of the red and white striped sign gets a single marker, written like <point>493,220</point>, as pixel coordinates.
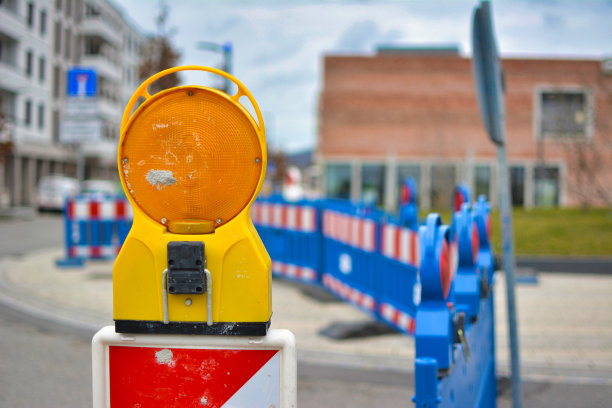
<point>99,209</point>
<point>401,244</point>
<point>287,216</point>
<point>349,293</point>
<point>396,317</point>
<point>302,273</point>
<point>193,371</point>
<point>354,231</point>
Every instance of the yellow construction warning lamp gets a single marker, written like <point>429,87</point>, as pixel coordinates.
<point>191,160</point>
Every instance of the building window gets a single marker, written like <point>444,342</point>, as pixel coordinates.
<point>28,64</point>
<point>338,181</point>
<point>68,8</point>
<point>43,22</point>
<point>482,181</point>
<point>373,183</point>
<point>42,66</point>
<point>56,81</point>
<point>68,45</point>
<point>41,116</point>
<point>57,40</point>
<point>405,171</point>
<point>546,186</point>
<point>91,10</point>
<point>443,181</point>
<point>517,185</point>
<point>564,113</point>
<point>28,113</point>
<point>30,14</point>
<point>58,5</point>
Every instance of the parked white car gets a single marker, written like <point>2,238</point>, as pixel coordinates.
<point>53,191</point>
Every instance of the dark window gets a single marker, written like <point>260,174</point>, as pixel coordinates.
<point>373,183</point>
<point>482,181</point>
<point>443,180</point>
<point>55,124</point>
<point>56,81</point>
<point>546,186</point>
<point>517,185</point>
<point>28,67</point>
<point>42,66</point>
<point>41,116</point>
<point>564,114</point>
<point>68,8</point>
<point>43,22</point>
<point>57,40</point>
<point>58,5</point>
<point>30,15</point>
<point>338,181</point>
<point>28,113</point>
<point>68,45</point>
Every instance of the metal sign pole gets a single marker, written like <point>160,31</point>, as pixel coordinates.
<point>488,77</point>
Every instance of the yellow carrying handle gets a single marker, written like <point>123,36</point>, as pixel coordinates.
<point>142,91</point>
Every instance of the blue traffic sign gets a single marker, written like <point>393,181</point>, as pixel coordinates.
<point>82,82</point>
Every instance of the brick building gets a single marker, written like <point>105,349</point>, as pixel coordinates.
<point>414,112</point>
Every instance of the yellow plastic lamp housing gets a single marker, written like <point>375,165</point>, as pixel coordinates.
<point>192,160</point>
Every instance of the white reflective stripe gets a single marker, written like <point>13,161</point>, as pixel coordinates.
<point>403,321</point>
<point>308,219</point>
<point>356,224</point>
<point>291,270</point>
<point>81,210</point>
<point>292,216</point>
<point>265,214</point>
<point>107,210</point>
<point>404,249</point>
<point>386,311</point>
<point>277,215</point>
<point>129,212</point>
<point>369,232</point>
<point>388,240</point>
<point>309,274</point>
<point>108,250</point>
<point>82,251</point>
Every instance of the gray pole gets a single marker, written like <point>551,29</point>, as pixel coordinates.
<point>508,266</point>
<point>488,77</point>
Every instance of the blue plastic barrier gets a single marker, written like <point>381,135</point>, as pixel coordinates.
<point>400,287</point>
<point>350,267</point>
<point>455,352</point>
<point>95,227</point>
<point>354,251</point>
<point>291,232</point>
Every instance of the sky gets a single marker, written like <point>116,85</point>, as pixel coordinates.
<point>278,46</point>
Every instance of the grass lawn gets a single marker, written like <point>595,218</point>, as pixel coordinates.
<point>557,232</point>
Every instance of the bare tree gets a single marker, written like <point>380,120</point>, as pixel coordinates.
<point>158,54</point>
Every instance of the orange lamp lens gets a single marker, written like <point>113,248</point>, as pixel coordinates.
<point>190,153</point>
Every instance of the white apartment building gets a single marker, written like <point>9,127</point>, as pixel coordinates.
<point>40,40</point>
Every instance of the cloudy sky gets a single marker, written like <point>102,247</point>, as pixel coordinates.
<point>278,45</point>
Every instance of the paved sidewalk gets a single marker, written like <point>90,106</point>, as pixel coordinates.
<point>565,321</point>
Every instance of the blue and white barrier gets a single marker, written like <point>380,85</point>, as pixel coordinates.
<point>95,227</point>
